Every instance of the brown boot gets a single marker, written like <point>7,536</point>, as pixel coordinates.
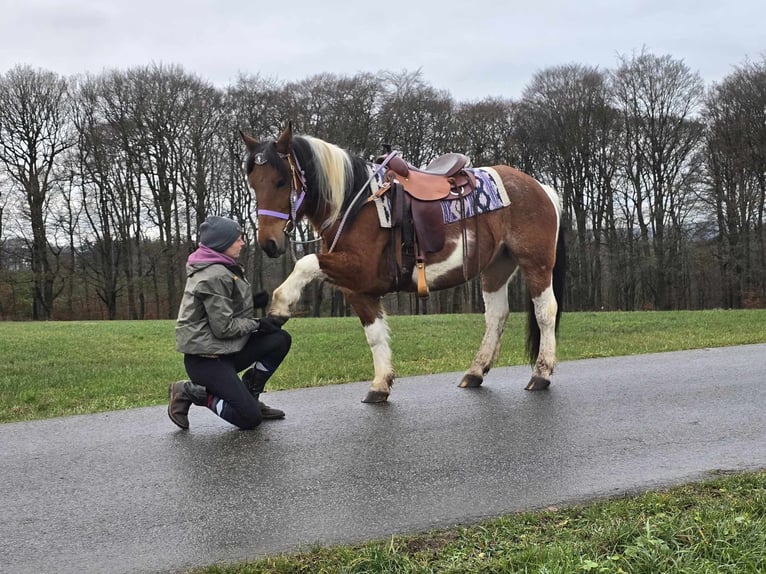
<point>182,395</point>
<point>255,381</point>
<point>178,405</point>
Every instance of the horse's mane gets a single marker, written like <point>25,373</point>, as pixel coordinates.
<point>333,175</point>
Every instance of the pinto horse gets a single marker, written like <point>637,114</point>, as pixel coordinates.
<point>303,177</point>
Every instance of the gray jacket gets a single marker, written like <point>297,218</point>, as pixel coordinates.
<point>216,315</point>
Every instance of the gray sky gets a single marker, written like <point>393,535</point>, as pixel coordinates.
<point>472,48</point>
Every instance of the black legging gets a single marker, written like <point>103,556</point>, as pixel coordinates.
<point>232,401</point>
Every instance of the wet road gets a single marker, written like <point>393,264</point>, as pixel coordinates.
<point>128,492</point>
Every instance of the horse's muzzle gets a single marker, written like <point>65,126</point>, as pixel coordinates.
<point>272,249</point>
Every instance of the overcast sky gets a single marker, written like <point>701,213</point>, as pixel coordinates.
<point>471,48</point>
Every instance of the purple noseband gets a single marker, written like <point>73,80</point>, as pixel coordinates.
<point>281,215</point>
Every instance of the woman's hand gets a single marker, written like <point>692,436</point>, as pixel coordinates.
<point>260,300</point>
<point>268,325</point>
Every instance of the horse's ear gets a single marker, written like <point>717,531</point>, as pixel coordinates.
<point>285,139</point>
<point>250,142</point>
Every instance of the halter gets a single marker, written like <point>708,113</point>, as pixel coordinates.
<point>297,182</point>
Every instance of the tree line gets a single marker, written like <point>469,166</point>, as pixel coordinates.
<point>105,178</point>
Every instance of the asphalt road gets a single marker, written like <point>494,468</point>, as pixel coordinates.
<point>127,491</point>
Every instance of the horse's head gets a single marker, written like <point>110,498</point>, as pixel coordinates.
<point>271,176</point>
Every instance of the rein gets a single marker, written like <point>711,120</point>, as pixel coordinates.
<point>350,205</point>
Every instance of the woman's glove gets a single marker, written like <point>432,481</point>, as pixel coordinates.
<point>268,325</point>
<point>260,299</point>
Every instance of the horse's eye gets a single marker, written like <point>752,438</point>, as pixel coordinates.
<point>281,183</point>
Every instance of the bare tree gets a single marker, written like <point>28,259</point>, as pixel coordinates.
<point>484,131</point>
<point>106,243</point>
<point>200,157</point>
<point>658,99</point>
<point>572,127</point>
<point>414,117</point>
<point>338,109</point>
<point>736,163</point>
<point>115,141</point>
<point>34,134</point>
<point>165,98</point>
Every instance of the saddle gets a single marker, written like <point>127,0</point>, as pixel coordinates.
<point>414,193</point>
<point>444,178</point>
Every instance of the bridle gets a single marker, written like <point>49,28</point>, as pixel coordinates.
<point>297,184</point>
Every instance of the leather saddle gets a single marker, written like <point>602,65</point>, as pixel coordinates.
<point>415,210</point>
<point>445,177</point>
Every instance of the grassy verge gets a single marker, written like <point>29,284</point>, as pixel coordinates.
<point>56,369</point>
<point>713,527</point>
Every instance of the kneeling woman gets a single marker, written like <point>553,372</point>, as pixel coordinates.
<point>219,335</point>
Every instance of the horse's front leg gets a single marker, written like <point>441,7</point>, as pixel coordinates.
<point>289,292</point>
<point>373,318</point>
<point>495,315</point>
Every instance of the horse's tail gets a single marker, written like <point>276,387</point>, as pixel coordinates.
<point>559,274</point>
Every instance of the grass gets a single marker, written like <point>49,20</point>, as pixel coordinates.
<point>713,527</point>
<point>57,369</point>
<point>54,369</point>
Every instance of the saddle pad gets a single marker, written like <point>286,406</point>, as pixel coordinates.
<point>382,204</point>
<point>490,195</point>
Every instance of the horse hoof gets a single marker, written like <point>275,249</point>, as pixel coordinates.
<point>537,383</point>
<point>471,382</point>
<point>376,397</point>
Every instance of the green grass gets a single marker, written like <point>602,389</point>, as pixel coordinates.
<point>56,369</point>
<point>713,527</point>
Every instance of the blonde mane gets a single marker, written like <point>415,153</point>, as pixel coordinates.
<point>335,173</point>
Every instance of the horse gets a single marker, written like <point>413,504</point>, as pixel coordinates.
<point>297,178</point>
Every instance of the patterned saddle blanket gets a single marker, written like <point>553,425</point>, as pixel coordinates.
<point>490,194</point>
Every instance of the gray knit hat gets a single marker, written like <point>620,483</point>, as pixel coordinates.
<point>219,233</point>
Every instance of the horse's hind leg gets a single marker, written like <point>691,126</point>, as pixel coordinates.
<point>494,283</point>
<point>373,318</point>
<point>543,339</point>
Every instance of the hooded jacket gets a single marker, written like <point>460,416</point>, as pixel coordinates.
<point>216,315</point>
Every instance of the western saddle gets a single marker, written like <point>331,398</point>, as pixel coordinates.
<point>443,178</point>
<point>413,194</point>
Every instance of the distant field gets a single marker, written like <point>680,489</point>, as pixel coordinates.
<point>63,368</point>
